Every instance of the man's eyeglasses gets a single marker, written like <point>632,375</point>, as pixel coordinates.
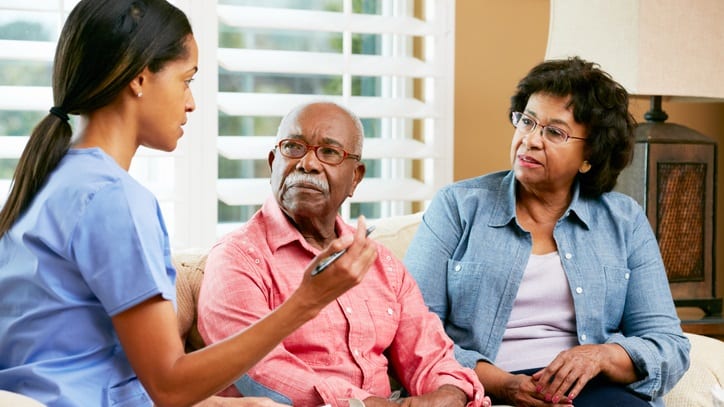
<point>293,148</point>
<point>527,125</point>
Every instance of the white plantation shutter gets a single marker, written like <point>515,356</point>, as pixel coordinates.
<point>388,61</point>
<point>28,35</point>
<point>27,45</point>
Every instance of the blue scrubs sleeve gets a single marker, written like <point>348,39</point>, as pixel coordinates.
<point>122,248</point>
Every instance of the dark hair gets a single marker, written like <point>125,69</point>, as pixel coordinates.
<point>103,46</point>
<point>599,103</point>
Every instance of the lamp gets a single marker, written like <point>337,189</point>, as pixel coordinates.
<point>673,49</point>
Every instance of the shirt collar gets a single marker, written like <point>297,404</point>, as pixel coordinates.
<point>504,209</point>
<point>281,231</point>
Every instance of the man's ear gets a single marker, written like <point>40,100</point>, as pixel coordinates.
<point>359,173</point>
<point>270,158</point>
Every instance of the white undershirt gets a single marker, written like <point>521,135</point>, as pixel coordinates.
<point>542,322</point>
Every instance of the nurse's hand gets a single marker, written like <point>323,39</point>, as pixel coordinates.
<point>316,291</point>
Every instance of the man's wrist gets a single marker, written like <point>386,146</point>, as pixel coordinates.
<point>456,391</point>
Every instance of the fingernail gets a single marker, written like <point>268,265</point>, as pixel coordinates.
<point>555,399</point>
<point>548,398</point>
<point>538,388</point>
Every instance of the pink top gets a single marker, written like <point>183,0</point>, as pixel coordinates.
<point>543,322</point>
<point>338,355</point>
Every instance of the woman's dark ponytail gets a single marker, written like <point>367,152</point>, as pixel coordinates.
<point>103,46</point>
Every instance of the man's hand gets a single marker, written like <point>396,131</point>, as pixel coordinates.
<point>378,402</point>
<point>521,390</point>
<point>216,401</point>
<point>446,395</point>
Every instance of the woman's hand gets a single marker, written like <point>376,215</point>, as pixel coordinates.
<point>568,373</point>
<point>505,388</point>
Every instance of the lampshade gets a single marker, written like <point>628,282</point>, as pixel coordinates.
<point>672,49</point>
<point>669,48</point>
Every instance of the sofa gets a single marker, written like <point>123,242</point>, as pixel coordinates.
<point>695,389</point>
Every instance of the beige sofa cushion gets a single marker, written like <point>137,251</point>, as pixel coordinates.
<point>396,232</point>
<point>705,373</point>
<point>8,398</point>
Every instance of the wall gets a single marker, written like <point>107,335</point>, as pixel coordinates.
<point>497,42</point>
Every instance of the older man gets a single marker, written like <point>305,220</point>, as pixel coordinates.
<point>380,326</point>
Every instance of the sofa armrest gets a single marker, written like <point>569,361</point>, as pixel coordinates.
<point>705,373</point>
<point>189,274</point>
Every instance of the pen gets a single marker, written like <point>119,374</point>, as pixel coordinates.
<point>329,260</point>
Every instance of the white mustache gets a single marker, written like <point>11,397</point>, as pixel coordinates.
<point>296,178</point>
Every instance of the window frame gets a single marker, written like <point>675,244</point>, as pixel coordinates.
<point>194,185</point>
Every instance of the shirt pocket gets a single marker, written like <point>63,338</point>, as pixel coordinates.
<point>385,317</point>
<point>617,279</point>
<point>469,287</point>
<point>128,394</point>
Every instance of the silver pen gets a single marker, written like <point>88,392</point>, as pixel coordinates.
<point>329,260</point>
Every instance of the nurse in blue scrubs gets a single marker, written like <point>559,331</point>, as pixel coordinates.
<point>87,287</point>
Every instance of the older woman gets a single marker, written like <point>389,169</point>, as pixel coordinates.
<point>551,285</point>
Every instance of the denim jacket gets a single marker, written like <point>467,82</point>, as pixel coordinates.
<point>469,255</point>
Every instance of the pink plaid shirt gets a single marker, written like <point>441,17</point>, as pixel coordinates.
<point>345,351</point>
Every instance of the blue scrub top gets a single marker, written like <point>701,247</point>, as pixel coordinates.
<point>91,245</point>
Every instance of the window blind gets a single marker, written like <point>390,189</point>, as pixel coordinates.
<point>389,61</point>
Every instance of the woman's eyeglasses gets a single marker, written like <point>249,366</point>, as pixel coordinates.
<point>527,125</point>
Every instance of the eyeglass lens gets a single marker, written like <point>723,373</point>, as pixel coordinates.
<point>325,154</point>
<point>527,125</point>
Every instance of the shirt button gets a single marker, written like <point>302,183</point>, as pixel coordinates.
<point>388,258</point>
<point>356,352</point>
<point>579,290</point>
<point>568,256</point>
<point>583,337</point>
<point>389,311</point>
<point>627,275</point>
<point>458,267</point>
<point>349,310</point>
